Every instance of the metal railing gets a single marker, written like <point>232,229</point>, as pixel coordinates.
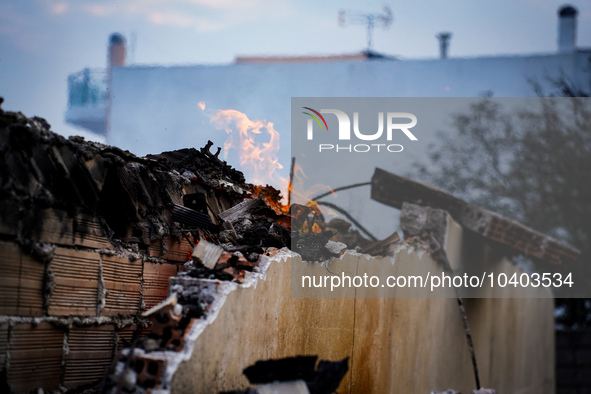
<point>87,88</point>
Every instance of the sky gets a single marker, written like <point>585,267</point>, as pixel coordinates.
<point>43,41</point>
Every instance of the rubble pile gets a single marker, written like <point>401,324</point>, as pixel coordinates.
<point>113,264</point>
<point>90,235</point>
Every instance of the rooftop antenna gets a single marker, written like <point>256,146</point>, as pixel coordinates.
<point>383,20</point>
<point>133,41</point>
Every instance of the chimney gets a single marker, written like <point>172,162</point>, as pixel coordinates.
<point>117,50</point>
<point>567,28</point>
<point>443,44</point>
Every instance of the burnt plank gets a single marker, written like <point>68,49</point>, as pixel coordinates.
<point>191,217</point>
<point>393,190</point>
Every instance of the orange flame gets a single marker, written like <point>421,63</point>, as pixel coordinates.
<point>302,193</point>
<point>257,158</point>
<point>257,143</point>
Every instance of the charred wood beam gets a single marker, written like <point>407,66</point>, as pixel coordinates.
<point>241,210</point>
<point>191,217</point>
<point>393,190</point>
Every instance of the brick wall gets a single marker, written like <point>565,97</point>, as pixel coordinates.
<point>63,319</point>
<point>87,243</point>
<point>66,310</point>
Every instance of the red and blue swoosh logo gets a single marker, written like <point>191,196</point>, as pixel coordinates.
<point>315,118</point>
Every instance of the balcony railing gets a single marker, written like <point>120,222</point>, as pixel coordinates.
<point>87,88</point>
<point>87,100</point>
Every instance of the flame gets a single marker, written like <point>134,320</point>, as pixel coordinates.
<point>303,195</point>
<point>271,196</point>
<point>257,143</point>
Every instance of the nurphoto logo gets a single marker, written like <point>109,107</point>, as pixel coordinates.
<point>393,125</point>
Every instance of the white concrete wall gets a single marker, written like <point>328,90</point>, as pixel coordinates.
<point>154,108</point>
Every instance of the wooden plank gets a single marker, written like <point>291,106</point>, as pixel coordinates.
<point>97,170</point>
<point>35,357</point>
<point>192,218</point>
<point>21,167</point>
<point>76,173</point>
<point>122,279</point>
<point>393,190</point>
<point>76,278</point>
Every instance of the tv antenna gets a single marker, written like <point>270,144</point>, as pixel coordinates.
<point>383,20</point>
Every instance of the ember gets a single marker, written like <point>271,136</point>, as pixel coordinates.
<point>258,159</point>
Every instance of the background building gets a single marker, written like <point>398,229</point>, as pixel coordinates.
<point>153,108</point>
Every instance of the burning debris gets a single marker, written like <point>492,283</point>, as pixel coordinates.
<point>104,230</point>
<point>142,250</point>
<point>91,234</point>
<point>394,190</point>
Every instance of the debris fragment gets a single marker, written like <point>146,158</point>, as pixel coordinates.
<point>336,248</point>
<point>394,190</point>
<point>207,253</point>
<point>383,247</point>
<point>323,378</point>
<point>191,217</point>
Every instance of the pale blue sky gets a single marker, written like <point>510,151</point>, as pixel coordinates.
<point>42,41</point>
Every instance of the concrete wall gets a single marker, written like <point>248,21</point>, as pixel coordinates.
<point>401,345</point>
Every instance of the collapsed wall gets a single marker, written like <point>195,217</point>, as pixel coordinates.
<point>393,343</point>
<point>90,235</point>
